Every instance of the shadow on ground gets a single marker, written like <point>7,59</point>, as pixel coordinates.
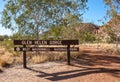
<point>94,60</point>
<point>76,73</point>
<point>88,64</point>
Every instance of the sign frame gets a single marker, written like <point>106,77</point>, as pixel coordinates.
<point>57,49</point>
<point>45,42</point>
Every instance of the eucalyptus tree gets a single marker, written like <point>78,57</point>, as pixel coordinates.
<point>114,7</point>
<point>113,11</point>
<point>32,17</point>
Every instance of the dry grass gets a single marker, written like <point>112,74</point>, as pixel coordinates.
<point>0,65</point>
<point>39,58</point>
<point>54,56</point>
<point>43,57</point>
<point>99,45</point>
<point>6,59</point>
<point>108,48</point>
<point>33,57</point>
<point>18,60</point>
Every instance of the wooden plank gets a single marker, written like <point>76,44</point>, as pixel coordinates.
<point>46,42</point>
<point>1,39</point>
<point>58,49</point>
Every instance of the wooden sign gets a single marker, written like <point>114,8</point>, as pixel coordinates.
<point>1,39</point>
<point>46,42</point>
<point>63,49</point>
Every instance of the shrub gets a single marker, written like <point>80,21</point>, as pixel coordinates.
<point>6,60</point>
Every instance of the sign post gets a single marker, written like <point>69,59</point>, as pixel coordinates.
<point>46,42</point>
<point>68,54</point>
<point>24,57</point>
<point>1,39</point>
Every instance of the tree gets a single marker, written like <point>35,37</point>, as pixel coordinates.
<point>54,33</point>
<point>32,17</point>
<point>114,7</point>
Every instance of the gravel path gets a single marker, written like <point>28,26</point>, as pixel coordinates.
<point>88,68</point>
<point>59,72</point>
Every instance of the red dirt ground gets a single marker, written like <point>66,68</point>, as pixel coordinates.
<point>92,66</point>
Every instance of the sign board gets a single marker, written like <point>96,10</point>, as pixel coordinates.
<point>1,39</point>
<point>45,49</point>
<point>46,42</point>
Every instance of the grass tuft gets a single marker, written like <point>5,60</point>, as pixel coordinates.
<point>6,60</point>
<point>39,58</point>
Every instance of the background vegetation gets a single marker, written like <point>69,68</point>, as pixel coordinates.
<point>55,19</point>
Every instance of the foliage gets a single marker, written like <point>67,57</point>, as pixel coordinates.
<point>31,17</point>
<point>83,32</point>
<point>4,37</point>
<point>114,6</point>
<point>89,37</point>
<point>112,29</point>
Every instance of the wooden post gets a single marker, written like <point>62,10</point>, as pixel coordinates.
<point>24,58</point>
<point>44,42</point>
<point>68,54</point>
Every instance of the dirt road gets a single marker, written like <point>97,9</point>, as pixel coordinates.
<point>90,67</point>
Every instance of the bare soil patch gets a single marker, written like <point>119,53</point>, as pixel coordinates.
<point>92,66</point>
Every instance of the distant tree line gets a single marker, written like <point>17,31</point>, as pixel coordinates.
<point>59,19</point>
